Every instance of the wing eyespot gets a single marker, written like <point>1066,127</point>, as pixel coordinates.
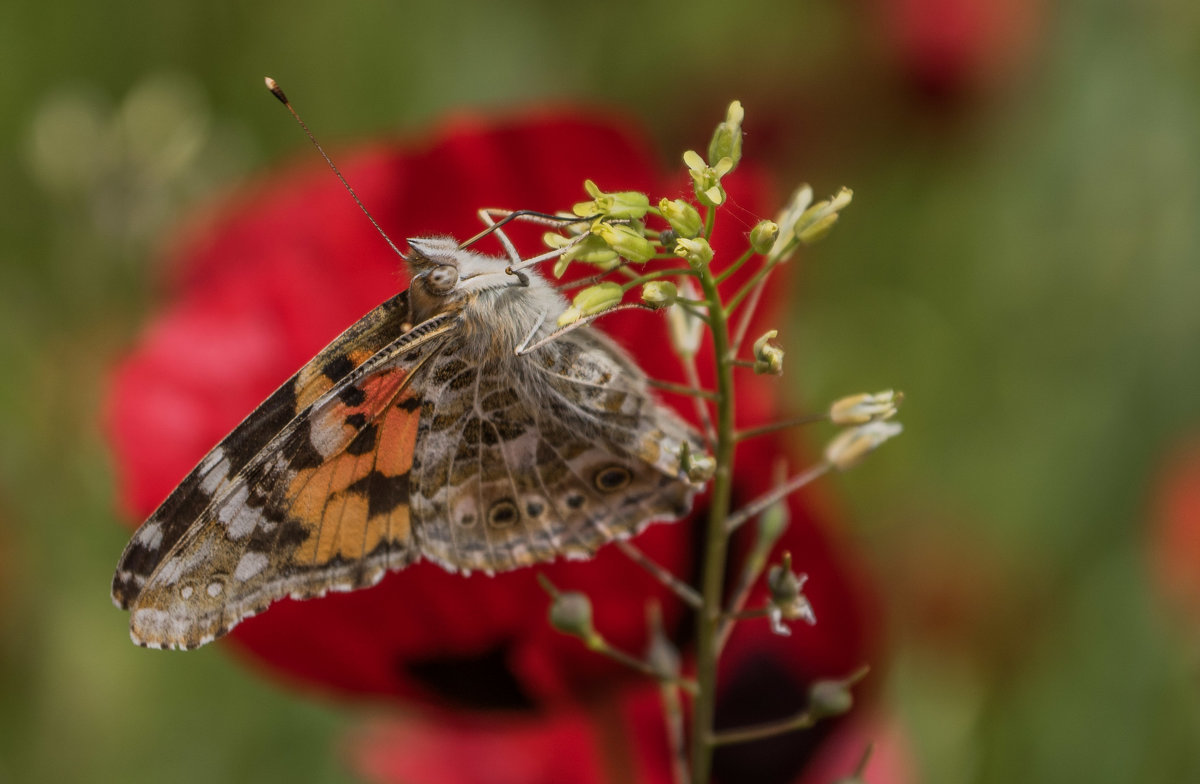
<point>503,513</point>
<point>612,478</point>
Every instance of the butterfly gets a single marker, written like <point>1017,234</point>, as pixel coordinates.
<point>419,433</point>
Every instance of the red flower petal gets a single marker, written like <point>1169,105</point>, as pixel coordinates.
<point>625,742</point>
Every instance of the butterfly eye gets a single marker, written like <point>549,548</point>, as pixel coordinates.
<point>442,279</point>
<point>613,478</point>
<point>503,513</point>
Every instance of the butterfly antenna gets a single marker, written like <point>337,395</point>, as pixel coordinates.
<point>278,93</point>
<point>538,217</point>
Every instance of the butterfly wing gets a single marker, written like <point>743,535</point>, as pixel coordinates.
<point>554,453</point>
<point>322,506</point>
<point>210,478</point>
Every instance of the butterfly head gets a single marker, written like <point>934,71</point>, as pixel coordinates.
<point>448,279</point>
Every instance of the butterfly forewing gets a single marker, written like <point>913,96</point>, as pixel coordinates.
<point>209,478</point>
<point>321,507</point>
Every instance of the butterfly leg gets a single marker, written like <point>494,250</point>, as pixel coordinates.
<point>523,349</point>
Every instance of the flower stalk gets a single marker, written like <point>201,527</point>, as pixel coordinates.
<point>647,258</point>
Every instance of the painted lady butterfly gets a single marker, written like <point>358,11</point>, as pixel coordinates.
<point>420,432</point>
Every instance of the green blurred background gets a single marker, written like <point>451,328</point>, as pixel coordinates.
<point>1021,258</point>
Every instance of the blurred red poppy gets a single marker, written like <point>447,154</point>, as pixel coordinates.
<point>623,740</point>
<point>264,283</point>
<point>948,49</point>
<point>1175,535</point>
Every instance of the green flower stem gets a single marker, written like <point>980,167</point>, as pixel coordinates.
<point>735,266</point>
<point>716,539</point>
<point>685,592</point>
<point>673,717</point>
<point>802,720</point>
<point>681,389</point>
<point>759,277</point>
<point>778,493</point>
<point>599,645</point>
<point>783,424</point>
<point>649,276</point>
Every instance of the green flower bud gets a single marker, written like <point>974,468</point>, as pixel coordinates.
<point>622,205</point>
<point>768,359</point>
<point>683,217</point>
<point>667,240</point>
<point>815,232</point>
<point>625,241</point>
<point>697,252</point>
<point>590,250</point>
<point>659,293</point>
<point>817,221</point>
<point>707,179</point>
<point>571,613</point>
<point>661,654</point>
<point>698,468</point>
<point>860,409</point>
<point>829,698</point>
<point>727,138</point>
<point>763,236</point>
<point>597,298</point>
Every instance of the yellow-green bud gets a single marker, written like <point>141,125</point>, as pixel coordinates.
<point>571,613</point>
<point>817,221</point>
<point>768,359</point>
<point>597,298</point>
<point>622,205</point>
<point>763,236</point>
<point>683,217</point>
<point>860,409</point>
<point>590,250</point>
<point>625,241</point>
<point>659,293</point>
<point>697,252</point>
<point>727,138</point>
<point>707,179</point>
<point>697,468</point>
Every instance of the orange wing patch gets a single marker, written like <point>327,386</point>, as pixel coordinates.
<point>358,498</point>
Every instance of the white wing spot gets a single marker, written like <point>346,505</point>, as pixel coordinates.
<point>171,571</point>
<point>239,519</point>
<point>214,589</point>
<point>250,565</point>
<point>150,536</point>
<point>186,592</point>
<point>213,476</point>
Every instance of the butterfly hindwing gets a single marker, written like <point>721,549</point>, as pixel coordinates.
<point>556,453</point>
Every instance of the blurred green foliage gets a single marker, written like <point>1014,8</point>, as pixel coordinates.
<point>1021,258</point>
